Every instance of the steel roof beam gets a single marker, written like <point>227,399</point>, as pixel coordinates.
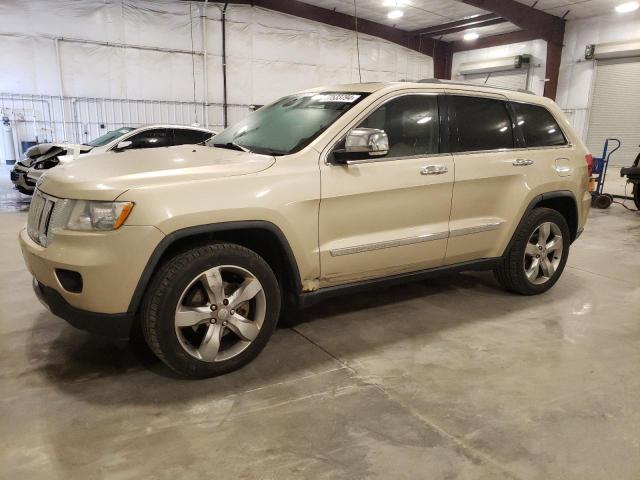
<point>460,25</point>
<point>544,25</point>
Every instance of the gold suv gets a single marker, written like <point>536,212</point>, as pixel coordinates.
<point>320,193</point>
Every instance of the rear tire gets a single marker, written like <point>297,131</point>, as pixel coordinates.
<point>636,195</point>
<point>210,310</point>
<point>537,254</point>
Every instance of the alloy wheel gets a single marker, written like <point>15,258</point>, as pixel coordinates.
<point>220,313</point>
<point>543,253</point>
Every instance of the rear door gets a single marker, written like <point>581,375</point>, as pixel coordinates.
<point>494,176</point>
<point>386,215</point>
<point>546,143</point>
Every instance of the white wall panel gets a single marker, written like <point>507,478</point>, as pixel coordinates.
<point>536,48</point>
<point>286,53</point>
<point>512,79</point>
<point>268,55</point>
<point>577,74</point>
<point>28,65</point>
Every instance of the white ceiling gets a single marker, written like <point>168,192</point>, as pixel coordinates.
<point>425,13</point>
<point>577,8</point>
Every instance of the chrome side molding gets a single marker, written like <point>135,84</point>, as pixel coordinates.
<point>487,227</point>
<point>428,237</point>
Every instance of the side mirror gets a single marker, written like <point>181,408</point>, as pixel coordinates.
<point>124,144</point>
<point>361,143</point>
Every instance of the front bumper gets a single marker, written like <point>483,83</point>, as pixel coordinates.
<point>109,263</point>
<point>20,180</point>
<point>110,325</point>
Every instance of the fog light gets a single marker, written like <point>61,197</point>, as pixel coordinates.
<point>71,281</point>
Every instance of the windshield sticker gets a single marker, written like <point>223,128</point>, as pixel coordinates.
<point>336,97</point>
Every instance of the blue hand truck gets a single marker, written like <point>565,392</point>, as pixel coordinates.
<point>599,173</point>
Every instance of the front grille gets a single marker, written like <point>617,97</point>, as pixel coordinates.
<point>40,217</point>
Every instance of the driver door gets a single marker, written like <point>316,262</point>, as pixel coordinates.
<point>387,215</point>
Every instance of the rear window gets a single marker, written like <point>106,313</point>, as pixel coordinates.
<point>185,136</point>
<point>538,126</point>
<point>479,124</point>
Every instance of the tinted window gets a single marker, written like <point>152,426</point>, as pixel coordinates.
<point>184,136</point>
<point>157,137</point>
<point>479,124</point>
<point>538,126</point>
<point>411,123</point>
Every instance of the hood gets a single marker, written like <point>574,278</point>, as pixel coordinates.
<point>42,151</point>
<point>106,176</point>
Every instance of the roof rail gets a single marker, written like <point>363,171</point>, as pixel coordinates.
<point>469,84</point>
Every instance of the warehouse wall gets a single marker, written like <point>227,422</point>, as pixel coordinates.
<point>576,73</point>
<point>537,49</point>
<point>156,78</point>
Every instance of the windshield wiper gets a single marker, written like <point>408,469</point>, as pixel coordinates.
<point>232,146</point>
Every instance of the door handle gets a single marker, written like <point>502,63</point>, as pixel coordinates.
<point>522,162</point>
<point>434,170</point>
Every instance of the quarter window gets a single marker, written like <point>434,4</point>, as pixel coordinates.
<point>411,123</point>
<point>538,126</point>
<point>479,124</point>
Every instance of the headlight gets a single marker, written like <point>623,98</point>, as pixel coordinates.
<point>89,215</point>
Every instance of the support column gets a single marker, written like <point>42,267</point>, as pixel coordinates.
<point>442,60</point>
<point>554,54</point>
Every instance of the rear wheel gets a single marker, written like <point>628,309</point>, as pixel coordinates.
<point>636,195</point>
<point>211,310</point>
<point>537,255</point>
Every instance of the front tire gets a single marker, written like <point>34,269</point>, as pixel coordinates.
<point>537,255</point>
<point>211,310</point>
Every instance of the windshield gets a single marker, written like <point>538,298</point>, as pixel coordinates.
<point>287,125</point>
<point>109,136</point>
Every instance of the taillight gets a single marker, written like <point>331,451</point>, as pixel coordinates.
<point>589,159</point>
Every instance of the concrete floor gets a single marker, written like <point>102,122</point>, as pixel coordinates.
<point>451,378</point>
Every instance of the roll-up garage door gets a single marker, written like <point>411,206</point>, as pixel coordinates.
<point>512,79</point>
<point>615,108</point>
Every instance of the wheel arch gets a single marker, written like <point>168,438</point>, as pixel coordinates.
<point>563,201</point>
<point>263,237</point>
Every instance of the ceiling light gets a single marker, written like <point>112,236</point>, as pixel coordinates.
<point>627,7</point>
<point>394,14</point>
<point>469,36</point>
